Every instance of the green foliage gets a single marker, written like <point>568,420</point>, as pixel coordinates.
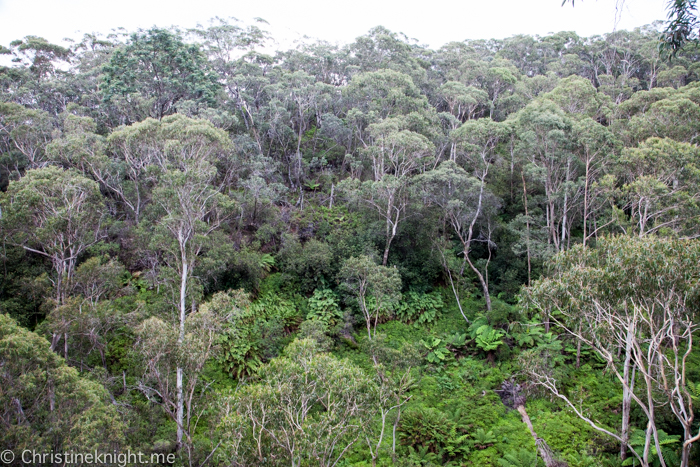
<point>158,67</point>
<point>267,262</point>
<point>310,265</point>
<point>483,439</point>
<point>254,332</point>
<point>520,458</point>
<point>437,350</point>
<point>456,340</point>
<point>668,443</point>
<point>375,289</point>
<point>323,306</point>
<point>528,334</point>
<point>430,429</point>
<point>582,459</point>
<point>307,405</point>
<point>419,308</point>
<point>47,404</point>
<point>487,338</point>
<point>318,331</point>
<point>56,213</point>
<point>476,168</point>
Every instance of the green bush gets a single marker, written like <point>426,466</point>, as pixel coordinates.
<point>255,332</point>
<point>520,458</point>
<point>323,306</point>
<point>430,430</point>
<point>419,308</point>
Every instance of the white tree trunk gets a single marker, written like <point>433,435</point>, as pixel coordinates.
<point>181,338</point>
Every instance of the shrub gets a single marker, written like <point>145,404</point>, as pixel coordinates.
<point>323,306</point>
<point>419,308</point>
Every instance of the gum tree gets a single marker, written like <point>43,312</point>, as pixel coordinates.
<point>467,205</point>
<point>57,214</point>
<point>188,206</point>
<point>643,324</point>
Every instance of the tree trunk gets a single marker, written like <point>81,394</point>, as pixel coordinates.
<point>484,286</point>
<point>626,397</point>
<point>180,340</point>
<point>393,435</point>
<point>565,210</point>
<point>391,228</point>
<point>585,201</point>
<point>385,257</point>
<point>180,408</point>
<point>685,455</point>
<point>527,226</point>
<point>578,350</point>
<point>541,444</point>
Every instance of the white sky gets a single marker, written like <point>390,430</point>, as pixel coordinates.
<point>432,22</point>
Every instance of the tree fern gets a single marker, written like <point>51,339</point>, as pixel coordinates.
<point>666,442</point>
<point>521,458</point>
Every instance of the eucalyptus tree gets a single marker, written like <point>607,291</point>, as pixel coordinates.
<point>190,204</point>
<point>47,406</point>
<point>461,102</point>
<point>155,70</point>
<point>632,117</point>
<point>395,155</point>
<point>261,181</point>
<point>676,117</point>
<point>62,222</point>
<point>380,50</point>
<point>306,408</point>
<point>477,141</point>
<point>394,378</point>
<point>469,207</point>
<point>380,94</point>
<point>446,62</point>
<point>652,61</point>
<point>187,204</point>
<point>592,149</point>
<point>375,288</point>
<point>246,81</point>
<point>57,214</point>
<point>38,79</point>
<point>303,99</point>
<point>225,41</point>
<point>27,132</point>
<point>595,149</point>
<point>529,54</point>
<point>578,98</point>
<point>499,81</point>
<point>327,63</point>
<point>640,102</point>
<point>39,55</point>
<point>545,146</point>
<point>644,324</point>
<point>168,351</point>
<point>661,187</point>
<point>127,166</point>
<point>87,316</point>
<point>529,88</point>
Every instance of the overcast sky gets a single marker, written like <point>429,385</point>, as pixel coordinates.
<point>432,22</point>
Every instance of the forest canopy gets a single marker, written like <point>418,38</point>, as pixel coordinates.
<point>349,255</point>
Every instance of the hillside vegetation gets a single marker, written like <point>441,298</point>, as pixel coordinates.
<point>375,254</point>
